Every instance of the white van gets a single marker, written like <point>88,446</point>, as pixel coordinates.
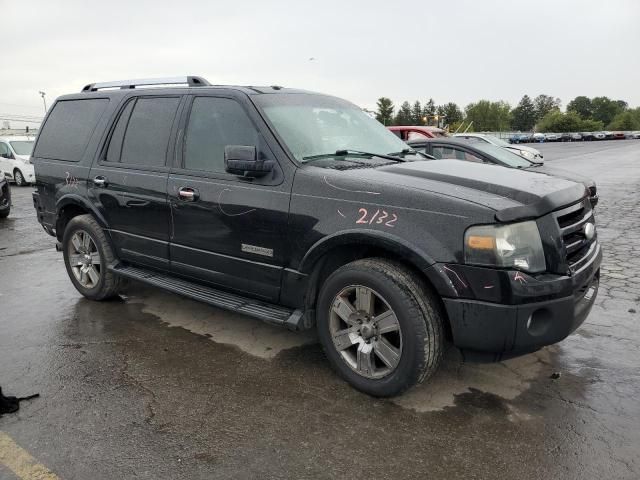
<point>15,163</point>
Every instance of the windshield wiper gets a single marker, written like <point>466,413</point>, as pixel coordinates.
<point>347,152</point>
<point>411,151</point>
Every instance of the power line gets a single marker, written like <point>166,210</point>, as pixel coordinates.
<point>20,118</point>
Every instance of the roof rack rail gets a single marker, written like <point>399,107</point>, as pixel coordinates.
<point>191,81</point>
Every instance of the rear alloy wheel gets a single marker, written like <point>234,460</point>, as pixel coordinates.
<point>87,255</point>
<point>84,259</point>
<point>380,326</point>
<point>19,178</point>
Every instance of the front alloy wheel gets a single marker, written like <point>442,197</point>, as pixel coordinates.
<point>84,259</point>
<point>366,332</point>
<point>380,326</point>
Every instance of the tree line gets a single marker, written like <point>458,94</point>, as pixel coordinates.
<point>542,113</point>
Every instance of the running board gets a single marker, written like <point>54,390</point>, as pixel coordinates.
<point>274,314</point>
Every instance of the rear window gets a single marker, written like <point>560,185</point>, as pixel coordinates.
<point>68,129</point>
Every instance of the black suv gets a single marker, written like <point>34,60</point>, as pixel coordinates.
<point>301,210</point>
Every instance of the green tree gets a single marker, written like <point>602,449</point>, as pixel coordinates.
<point>489,116</point>
<point>582,106</point>
<point>404,116</point>
<point>385,111</point>
<point>591,125</point>
<point>543,104</point>
<point>524,115</point>
<point>556,121</point>
<point>429,110</point>
<point>605,109</point>
<point>628,120</point>
<point>452,113</point>
<point>416,113</point>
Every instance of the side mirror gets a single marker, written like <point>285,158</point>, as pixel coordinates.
<point>243,160</point>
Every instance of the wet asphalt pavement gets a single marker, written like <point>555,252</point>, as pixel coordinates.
<point>154,386</point>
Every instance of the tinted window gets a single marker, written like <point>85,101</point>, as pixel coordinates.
<point>213,124</point>
<point>115,145</point>
<point>445,153</point>
<point>67,131</point>
<point>4,151</point>
<point>147,136</point>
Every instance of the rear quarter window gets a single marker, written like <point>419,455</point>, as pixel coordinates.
<point>68,129</point>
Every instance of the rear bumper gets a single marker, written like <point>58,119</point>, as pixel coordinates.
<point>46,219</point>
<point>492,331</point>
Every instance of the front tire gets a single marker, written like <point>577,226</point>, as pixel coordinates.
<point>87,255</point>
<point>380,326</point>
<point>19,178</point>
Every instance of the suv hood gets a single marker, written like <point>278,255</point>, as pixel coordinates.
<point>560,173</point>
<point>514,194</point>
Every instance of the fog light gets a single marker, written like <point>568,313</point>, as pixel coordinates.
<point>539,322</point>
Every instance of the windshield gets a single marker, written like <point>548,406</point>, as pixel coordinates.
<point>503,155</point>
<point>313,125</point>
<point>22,147</point>
<point>498,141</point>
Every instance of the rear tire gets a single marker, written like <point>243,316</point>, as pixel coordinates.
<point>386,345</point>
<point>87,255</point>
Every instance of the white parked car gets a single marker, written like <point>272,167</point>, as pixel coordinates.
<point>552,137</point>
<point>15,163</point>
<point>599,135</point>
<point>538,137</point>
<point>528,153</point>
<point>635,135</point>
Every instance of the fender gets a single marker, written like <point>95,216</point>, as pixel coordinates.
<point>360,236</point>
<point>75,199</point>
<point>409,252</point>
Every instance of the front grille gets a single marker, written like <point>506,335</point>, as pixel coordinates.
<point>572,221</point>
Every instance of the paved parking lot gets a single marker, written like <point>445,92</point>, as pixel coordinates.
<point>155,386</point>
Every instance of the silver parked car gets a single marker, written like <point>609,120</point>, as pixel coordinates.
<point>531,154</point>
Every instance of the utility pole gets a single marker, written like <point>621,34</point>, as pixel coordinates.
<point>42,94</point>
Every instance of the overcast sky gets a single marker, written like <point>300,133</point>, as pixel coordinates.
<point>459,51</point>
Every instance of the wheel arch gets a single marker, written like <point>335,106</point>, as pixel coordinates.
<point>338,249</point>
<point>71,205</point>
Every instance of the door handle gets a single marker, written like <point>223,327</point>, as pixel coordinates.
<point>188,194</point>
<point>100,181</point>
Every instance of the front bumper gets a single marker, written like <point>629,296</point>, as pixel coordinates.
<point>5,196</point>
<point>513,313</point>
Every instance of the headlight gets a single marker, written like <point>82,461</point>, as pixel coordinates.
<point>527,154</point>
<point>506,246</point>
